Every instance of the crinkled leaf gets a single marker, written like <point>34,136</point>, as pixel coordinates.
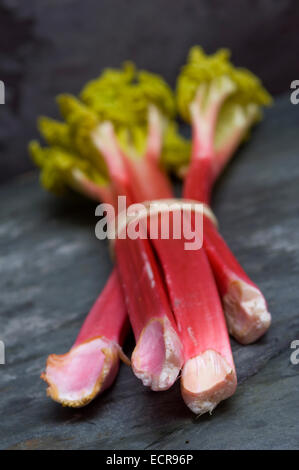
<point>204,71</point>
<point>123,97</point>
<point>57,165</point>
<point>55,132</point>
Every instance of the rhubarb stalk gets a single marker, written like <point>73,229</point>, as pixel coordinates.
<point>158,356</point>
<point>91,365</point>
<point>208,374</point>
<point>222,103</point>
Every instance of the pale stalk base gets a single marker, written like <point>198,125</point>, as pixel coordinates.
<point>246,312</point>
<point>77,377</point>
<point>207,379</point>
<point>158,357</point>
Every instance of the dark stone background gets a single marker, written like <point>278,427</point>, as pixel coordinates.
<point>50,46</point>
<point>52,267</point>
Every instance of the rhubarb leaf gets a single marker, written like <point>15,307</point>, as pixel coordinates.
<point>213,80</point>
<point>59,167</point>
<point>122,97</point>
<point>54,132</point>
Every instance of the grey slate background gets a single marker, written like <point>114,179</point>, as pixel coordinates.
<point>51,46</point>
<point>52,267</point>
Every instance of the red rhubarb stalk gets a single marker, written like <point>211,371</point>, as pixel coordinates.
<point>105,141</point>
<point>148,179</point>
<point>91,365</point>
<point>244,304</point>
<point>91,190</point>
<point>223,109</point>
<point>208,374</point>
<point>77,377</point>
<point>157,357</point>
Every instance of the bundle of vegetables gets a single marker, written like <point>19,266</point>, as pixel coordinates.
<point>117,140</point>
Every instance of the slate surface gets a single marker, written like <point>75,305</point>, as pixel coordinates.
<point>52,268</point>
<point>51,46</point>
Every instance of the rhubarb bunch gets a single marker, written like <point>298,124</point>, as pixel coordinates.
<point>118,139</point>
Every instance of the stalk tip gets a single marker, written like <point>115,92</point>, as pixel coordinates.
<point>246,312</point>
<point>74,379</point>
<point>206,380</point>
<point>158,355</point>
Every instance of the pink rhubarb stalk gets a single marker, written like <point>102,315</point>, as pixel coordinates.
<point>157,357</point>
<point>208,374</point>
<point>148,180</point>
<point>244,305</point>
<point>74,379</point>
<point>77,377</point>
<point>105,141</point>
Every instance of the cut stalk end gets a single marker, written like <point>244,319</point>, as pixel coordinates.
<point>246,312</point>
<point>158,357</point>
<point>207,379</point>
<point>76,378</point>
